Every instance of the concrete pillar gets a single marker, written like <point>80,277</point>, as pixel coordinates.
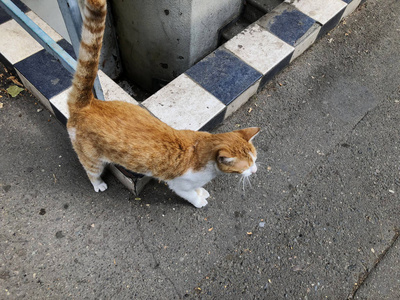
<point>160,39</point>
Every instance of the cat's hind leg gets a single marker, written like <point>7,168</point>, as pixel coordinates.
<point>90,160</point>
<point>94,167</point>
<point>98,184</point>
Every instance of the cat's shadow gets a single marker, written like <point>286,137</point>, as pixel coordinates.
<point>155,193</point>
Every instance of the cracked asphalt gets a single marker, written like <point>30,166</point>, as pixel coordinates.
<point>321,220</point>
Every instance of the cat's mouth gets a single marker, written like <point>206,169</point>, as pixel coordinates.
<point>245,178</point>
<point>249,171</point>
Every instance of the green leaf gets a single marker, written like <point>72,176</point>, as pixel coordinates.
<point>14,90</point>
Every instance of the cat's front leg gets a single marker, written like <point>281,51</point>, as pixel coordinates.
<point>196,197</point>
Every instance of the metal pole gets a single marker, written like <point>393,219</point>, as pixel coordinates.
<point>39,35</point>
<point>48,43</point>
<point>73,21</point>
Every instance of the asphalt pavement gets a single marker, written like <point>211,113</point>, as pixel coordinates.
<point>321,220</point>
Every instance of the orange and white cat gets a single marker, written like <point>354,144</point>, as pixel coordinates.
<point>117,132</point>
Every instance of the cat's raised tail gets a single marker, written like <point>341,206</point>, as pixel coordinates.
<point>94,17</point>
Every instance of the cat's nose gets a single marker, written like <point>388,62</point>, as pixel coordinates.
<point>253,169</point>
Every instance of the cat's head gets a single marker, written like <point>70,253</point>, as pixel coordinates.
<point>236,153</point>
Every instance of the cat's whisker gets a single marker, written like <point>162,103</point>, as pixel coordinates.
<point>248,180</point>
<point>248,183</point>
<point>240,181</point>
<point>245,180</point>
<point>242,184</point>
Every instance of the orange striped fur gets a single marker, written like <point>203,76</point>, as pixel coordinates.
<point>121,133</point>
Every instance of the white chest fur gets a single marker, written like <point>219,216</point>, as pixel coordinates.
<point>194,179</point>
<point>189,185</point>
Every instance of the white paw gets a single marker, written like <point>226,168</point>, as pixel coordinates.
<point>100,187</point>
<point>202,193</point>
<point>200,202</point>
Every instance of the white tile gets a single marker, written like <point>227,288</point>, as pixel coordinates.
<point>320,10</point>
<point>351,7</point>
<point>242,99</point>
<point>112,91</point>
<point>259,48</point>
<point>307,40</point>
<point>183,104</point>
<point>60,101</point>
<point>17,44</point>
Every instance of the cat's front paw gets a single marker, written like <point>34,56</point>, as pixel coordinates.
<point>200,202</point>
<point>202,193</point>
<point>100,187</point>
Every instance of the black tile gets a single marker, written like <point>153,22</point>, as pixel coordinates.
<point>287,23</point>
<point>215,121</point>
<point>224,75</point>
<point>59,115</point>
<point>4,17</point>
<point>7,65</point>
<point>281,65</point>
<point>330,24</point>
<point>45,72</point>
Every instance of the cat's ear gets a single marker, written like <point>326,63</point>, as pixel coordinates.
<point>249,133</point>
<point>224,157</point>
